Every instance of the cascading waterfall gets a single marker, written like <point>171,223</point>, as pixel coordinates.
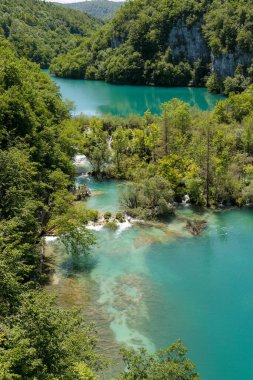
<point>82,164</point>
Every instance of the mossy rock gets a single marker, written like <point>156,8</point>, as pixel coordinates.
<point>107,215</point>
<point>120,217</point>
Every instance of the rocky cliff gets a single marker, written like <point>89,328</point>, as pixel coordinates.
<point>171,43</point>
<point>187,42</point>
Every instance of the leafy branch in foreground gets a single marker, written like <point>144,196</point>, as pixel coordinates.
<point>46,342</point>
<point>168,364</point>
<point>70,226</point>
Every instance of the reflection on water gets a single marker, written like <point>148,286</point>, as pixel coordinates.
<point>100,98</point>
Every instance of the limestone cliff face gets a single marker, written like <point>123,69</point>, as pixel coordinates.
<point>225,64</point>
<point>188,42</point>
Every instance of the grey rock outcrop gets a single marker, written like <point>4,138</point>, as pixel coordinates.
<point>225,64</point>
<point>188,42</point>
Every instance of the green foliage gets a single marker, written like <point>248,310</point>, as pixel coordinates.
<point>107,215</point>
<point>120,217</point>
<point>84,372</point>
<point>46,342</point>
<point>237,84</point>
<point>149,198</point>
<point>236,107</point>
<point>38,339</point>
<point>17,173</point>
<point>168,364</point>
<point>10,289</point>
<point>135,52</point>
<point>154,43</point>
<point>111,226</point>
<point>228,26</point>
<point>40,31</point>
<point>92,215</point>
<point>214,84</point>
<point>36,171</point>
<point>202,155</point>
<point>103,9</point>
<point>96,147</point>
<point>70,225</point>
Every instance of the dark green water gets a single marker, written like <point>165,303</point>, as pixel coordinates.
<point>158,285</point>
<point>100,98</point>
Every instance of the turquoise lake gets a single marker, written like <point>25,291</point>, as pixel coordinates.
<point>158,284</point>
<point>100,98</point>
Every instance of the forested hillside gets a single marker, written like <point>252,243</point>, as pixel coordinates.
<point>37,338</point>
<point>103,9</point>
<point>40,31</point>
<point>170,43</point>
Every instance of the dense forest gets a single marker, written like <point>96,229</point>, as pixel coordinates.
<point>38,140</point>
<point>207,156</point>
<point>103,9</point>
<point>169,43</point>
<point>40,31</point>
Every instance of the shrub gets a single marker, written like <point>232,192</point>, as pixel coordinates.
<point>93,215</point>
<point>111,226</point>
<point>107,215</point>
<point>120,217</point>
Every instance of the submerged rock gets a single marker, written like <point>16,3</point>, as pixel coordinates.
<point>196,226</point>
<point>81,192</point>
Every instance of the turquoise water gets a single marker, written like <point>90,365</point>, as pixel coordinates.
<point>158,284</point>
<point>107,198</point>
<point>100,98</point>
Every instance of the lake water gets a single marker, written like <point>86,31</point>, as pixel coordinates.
<point>100,98</point>
<point>158,284</point>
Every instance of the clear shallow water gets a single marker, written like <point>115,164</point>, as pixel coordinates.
<point>100,98</point>
<point>105,194</point>
<point>160,284</point>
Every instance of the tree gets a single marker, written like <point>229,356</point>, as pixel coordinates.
<point>175,124</point>
<point>96,146</point>
<point>168,364</point>
<point>214,83</point>
<point>46,342</point>
<point>40,31</point>
<point>153,48</point>
<point>149,198</point>
<point>17,173</point>
<point>120,139</point>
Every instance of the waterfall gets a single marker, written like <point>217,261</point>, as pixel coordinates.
<point>82,164</point>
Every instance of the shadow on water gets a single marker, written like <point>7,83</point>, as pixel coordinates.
<point>48,268</point>
<point>73,265</point>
